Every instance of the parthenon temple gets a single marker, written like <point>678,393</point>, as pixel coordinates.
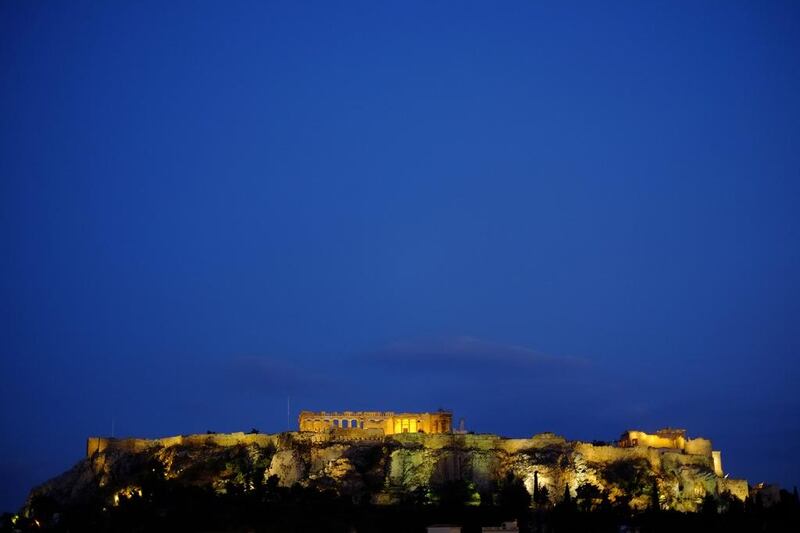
<point>390,422</point>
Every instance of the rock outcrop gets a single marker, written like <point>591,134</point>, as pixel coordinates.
<point>385,469</point>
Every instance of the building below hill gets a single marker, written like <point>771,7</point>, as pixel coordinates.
<point>389,422</point>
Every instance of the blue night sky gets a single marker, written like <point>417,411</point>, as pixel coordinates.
<point>545,216</point>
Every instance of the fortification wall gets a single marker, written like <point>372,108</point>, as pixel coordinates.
<point>698,447</point>
<point>609,454</point>
<point>640,438</point>
<point>167,442</point>
<point>716,457</point>
<point>659,458</point>
<point>135,445</point>
<point>342,435</point>
<point>433,441</point>
<point>516,445</point>
<point>737,487</point>
<point>101,444</point>
<point>675,460</point>
<point>540,440</point>
<point>667,439</point>
<point>226,439</point>
<point>95,445</point>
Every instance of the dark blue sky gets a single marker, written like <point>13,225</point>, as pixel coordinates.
<point>544,216</point>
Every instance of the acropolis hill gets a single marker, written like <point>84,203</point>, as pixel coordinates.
<point>382,457</point>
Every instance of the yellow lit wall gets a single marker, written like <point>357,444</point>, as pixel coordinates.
<point>391,423</point>
<point>717,457</point>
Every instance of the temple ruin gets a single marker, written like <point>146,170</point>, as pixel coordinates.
<point>389,422</point>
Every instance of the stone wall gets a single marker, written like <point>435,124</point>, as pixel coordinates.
<point>698,447</point>
<point>135,445</point>
<point>716,457</point>
<point>737,487</point>
<point>661,439</point>
<point>667,439</point>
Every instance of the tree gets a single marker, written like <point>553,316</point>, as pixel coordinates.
<point>655,497</point>
<point>417,497</point>
<point>566,506</point>
<point>513,495</point>
<point>708,505</point>
<point>730,504</point>
<point>542,497</point>
<point>586,495</point>
<point>634,477</point>
<point>455,493</point>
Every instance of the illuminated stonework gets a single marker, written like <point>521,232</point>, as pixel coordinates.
<point>683,470</point>
<point>389,422</point>
<point>672,439</point>
<point>663,438</point>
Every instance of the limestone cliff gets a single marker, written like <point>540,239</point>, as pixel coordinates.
<point>366,465</point>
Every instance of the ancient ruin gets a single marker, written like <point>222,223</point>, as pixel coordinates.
<point>390,423</point>
<point>383,456</point>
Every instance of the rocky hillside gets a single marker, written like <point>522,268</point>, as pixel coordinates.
<point>386,470</point>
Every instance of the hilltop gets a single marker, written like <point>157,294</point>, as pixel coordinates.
<point>366,467</point>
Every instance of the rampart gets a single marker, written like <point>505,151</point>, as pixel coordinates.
<point>663,438</point>
<point>666,438</point>
<point>135,445</point>
<point>672,439</point>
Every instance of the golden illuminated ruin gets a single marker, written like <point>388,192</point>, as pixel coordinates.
<point>663,438</point>
<point>672,439</point>
<point>389,422</point>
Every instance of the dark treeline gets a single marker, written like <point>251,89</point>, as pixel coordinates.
<point>165,505</point>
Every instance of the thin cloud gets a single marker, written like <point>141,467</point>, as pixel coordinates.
<point>471,351</point>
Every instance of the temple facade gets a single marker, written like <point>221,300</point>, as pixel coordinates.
<point>388,421</point>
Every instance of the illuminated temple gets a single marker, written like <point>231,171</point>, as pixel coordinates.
<point>389,422</point>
